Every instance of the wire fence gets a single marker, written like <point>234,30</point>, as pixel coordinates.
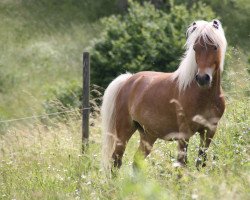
<point>41,116</point>
<point>73,111</point>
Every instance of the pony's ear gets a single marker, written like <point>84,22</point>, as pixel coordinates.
<point>216,23</point>
<point>191,29</point>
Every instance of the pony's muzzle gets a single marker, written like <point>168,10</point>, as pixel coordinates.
<point>203,80</point>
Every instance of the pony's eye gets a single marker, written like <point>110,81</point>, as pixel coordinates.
<point>194,48</point>
<point>215,48</point>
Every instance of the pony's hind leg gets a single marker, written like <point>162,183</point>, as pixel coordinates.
<point>146,144</point>
<point>124,130</point>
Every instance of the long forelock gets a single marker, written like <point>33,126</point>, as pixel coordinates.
<point>210,35</point>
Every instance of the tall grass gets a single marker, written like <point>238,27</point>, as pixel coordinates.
<point>45,162</point>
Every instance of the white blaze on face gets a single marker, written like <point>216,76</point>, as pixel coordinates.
<point>209,71</point>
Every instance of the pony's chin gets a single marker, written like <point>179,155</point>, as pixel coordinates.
<point>207,86</point>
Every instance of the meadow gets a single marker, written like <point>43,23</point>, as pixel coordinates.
<point>42,159</point>
<point>45,162</point>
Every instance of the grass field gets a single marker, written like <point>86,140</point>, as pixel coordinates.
<point>45,162</point>
<point>42,159</point>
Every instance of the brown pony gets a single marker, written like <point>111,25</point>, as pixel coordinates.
<point>169,106</point>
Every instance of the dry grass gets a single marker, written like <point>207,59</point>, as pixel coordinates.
<point>45,162</point>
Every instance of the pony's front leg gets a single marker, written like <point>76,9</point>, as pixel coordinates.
<point>182,153</point>
<point>185,131</point>
<point>205,140</point>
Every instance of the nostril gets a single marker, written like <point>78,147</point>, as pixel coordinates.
<point>207,77</point>
<point>203,80</point>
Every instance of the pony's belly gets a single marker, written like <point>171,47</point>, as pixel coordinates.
<point>158,122</point>
<point>168,134</point>
<point>159,128</point>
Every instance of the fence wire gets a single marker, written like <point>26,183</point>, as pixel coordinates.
<point>72,111</point>
<point>40,116</point>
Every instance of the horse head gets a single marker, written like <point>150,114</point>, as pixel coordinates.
<point>208,47</point>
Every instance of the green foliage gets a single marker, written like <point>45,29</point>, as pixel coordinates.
<point>63,97</point>
<point>144,39</point>
<point>67,96</point>
<point>41,45</point>
<point>236,17</point>
<point>70,11</point>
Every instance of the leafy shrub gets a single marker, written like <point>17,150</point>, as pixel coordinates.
<point>143,39</point>
<point>236,17</point>
<point>68,96</point>
<point>63,97</point>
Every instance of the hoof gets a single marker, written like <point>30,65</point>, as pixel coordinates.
<point>178,165</point>
<point>199,163</point>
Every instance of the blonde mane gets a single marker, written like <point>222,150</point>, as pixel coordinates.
<point>210,32</point>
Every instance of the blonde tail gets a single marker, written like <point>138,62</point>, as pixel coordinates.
<point>108,119</point>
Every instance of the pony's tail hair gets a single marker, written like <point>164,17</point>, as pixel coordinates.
<point>109,138</point>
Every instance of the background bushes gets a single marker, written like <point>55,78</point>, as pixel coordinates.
<point>67,97</point>
<point>145,38</point>
<point>42,43</point>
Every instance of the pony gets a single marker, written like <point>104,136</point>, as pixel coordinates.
<point>169,106</point>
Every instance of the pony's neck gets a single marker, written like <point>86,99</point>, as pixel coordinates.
<point>215,88</point>
<point>212,92</point>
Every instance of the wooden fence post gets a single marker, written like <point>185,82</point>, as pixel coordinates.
<point>85,100</point>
